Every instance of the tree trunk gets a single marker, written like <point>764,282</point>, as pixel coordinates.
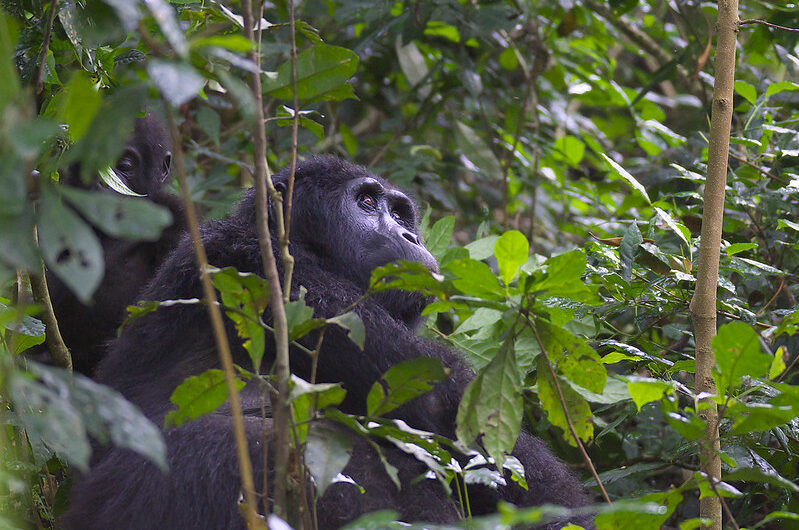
<point>703,304</point>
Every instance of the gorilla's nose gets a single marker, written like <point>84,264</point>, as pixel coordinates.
<point>410,236</point>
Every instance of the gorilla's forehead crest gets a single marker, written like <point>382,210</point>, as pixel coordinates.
<point>327,171</point>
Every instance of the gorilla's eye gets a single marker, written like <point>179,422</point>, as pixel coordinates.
<point>367,202</point>
<point>397,216</point>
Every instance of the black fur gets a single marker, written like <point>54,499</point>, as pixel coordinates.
<point>129,265</point>
<point>336,241</point>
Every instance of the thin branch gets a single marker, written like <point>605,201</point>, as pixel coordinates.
<point>220,335</point>
<point>45,47</point>
<point>768,24</point>
<point>288,260</point>
<point>52,337</point>
<point>263,183</point>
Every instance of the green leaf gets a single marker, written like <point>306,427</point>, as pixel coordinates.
<point>477,152</point>
<point>481,249</point>
<point>247,295</point>
<point>492,406</point>
<point>440,234</point>
<point>198,395</point>
<point>666,503</point>
<point>571,149</point>
<point>404,381</point>
<point>746,91</point>
<point>738,352</point>
<point>353,324</point>
<point>177,82</point>
<point>327,452</point>
<point>737,248</point>
<point>125,217</point>
<point>9,88</point>
<point>436,28</point>
<point>577,407</point>
<point>621,172</point>
<point>80,105</point>
<point>322,72</point>
<point>629,249</point>
<point>511,251</point>
<point>70,248</point>
<point>475,278</point>
<point>164,15</point>
<point>60,409</point>
<point>679,229</point>
<point>564,278</point>
<point>209,123</point>
<point>508,59</point>
<point>782,86</point>
<point>644,390</point>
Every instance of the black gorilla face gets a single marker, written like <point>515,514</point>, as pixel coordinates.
<point>382,220</point>
<point>353,221</point>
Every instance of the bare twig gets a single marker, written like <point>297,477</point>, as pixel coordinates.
<point>45,46</point>
<point>220,335</point>
<point>768,24</point>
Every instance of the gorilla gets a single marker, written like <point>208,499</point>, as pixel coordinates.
<point>129,265</point>
<point>345,222</point>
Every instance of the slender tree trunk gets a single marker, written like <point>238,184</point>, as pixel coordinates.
<point>703,304</point>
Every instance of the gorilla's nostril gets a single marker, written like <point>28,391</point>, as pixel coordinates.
<point>410,237</point>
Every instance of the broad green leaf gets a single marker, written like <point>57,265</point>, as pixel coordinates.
<point>629,250</point>
<point>666,501</point>
<point>247,295</point>
<point>440,234</point>
<point>61,408</point>
<point>738,352</point>
<point>404,381</point>
<point>436,28</point>
<point>408,276</point>
<point>353,324</point>
<point>209,123</point>
<point>644,390</point>
<point>482,248</point>
<point>475,278</point>
<point>679,229</point>
<point>164,15</point>
<point>80,105</point>
<point>621,172</point>
<point>198,395</point>
<point>9,88</point>
<point>322,73</point>
<point>125,217</point>
<point>477,151</point>
<point>778,364</point>
<point>737,248</point>
<point>781,86</point>
<point>178,82</point>
<point>746,90</point>
<point>690,427</point>
<point>413,65</point>
<point>127,11</point>
<point>571,149</point>
<point>511,251</point>
<point>70,248</point>
<point>327,452</point>
<point>492,406</point>
<point>578,409</point>
<point>573,357</point>
<point>564,278</point>
<point>306,399</point>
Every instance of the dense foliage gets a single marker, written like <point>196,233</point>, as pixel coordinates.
<point>561,148</point>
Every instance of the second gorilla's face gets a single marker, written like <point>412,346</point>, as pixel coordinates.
<point>378,223</point>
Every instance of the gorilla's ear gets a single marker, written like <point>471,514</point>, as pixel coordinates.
<point>166,166</point>
<point>281,187</point>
